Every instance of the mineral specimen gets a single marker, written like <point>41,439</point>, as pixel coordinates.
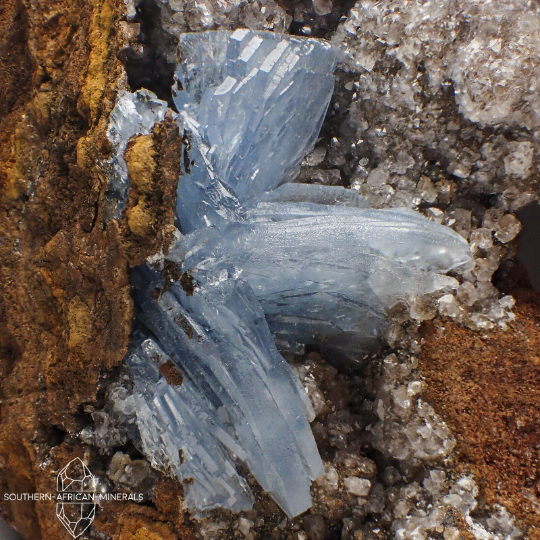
<point>239,397</point>
<point>311,264</point>
<point>437,112</point>
<point>133,114</point>
<point>323,270</point>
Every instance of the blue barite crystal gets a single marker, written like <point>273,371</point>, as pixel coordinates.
<point>252,104</point>
<point>239,397</point>
<point>323,274</point>
<point>273,262</point>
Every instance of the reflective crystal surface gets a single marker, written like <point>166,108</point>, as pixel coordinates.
<point>325,274</point>
<point>263,262</point>
<point>253,105</point>
<point>238,399</point>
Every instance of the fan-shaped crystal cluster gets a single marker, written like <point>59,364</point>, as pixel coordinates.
<point>264,261</point>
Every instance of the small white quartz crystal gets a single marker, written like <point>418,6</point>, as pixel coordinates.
<point>357,486</point>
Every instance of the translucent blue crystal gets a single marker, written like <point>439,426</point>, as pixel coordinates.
<point>265,262</point>
<point>179,430</point>
<point>239,396</point>
<point>253,105</point>
<point>325,274</point>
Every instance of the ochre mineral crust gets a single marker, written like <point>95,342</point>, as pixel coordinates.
<point>487,386</point>
<point>66,309</point>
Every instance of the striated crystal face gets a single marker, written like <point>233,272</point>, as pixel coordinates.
<point>257,146</point>
<point>264,262</point>
<point>239,397</point>
<point>253,105</point>
<point>324,274</point>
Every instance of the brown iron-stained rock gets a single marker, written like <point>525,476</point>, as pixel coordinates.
<point>487,386</point>
<point>162,521</point>
<point>65,305</point>
<point>171,373</point>
<point>153,167</point>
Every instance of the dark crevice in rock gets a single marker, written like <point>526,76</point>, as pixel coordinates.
<point>147,64</point>
<point>528,253</point>
<point>55,436</point>
<point>318,18</point>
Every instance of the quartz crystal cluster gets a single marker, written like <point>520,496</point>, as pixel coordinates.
<point>442,114</point>
<point>262,261</point>
<point>410,489</point>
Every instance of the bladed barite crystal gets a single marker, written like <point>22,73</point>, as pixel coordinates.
<point>252,104</point>
<point>239,396</point>
<point>271,263</point>
<point>324,274</point>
